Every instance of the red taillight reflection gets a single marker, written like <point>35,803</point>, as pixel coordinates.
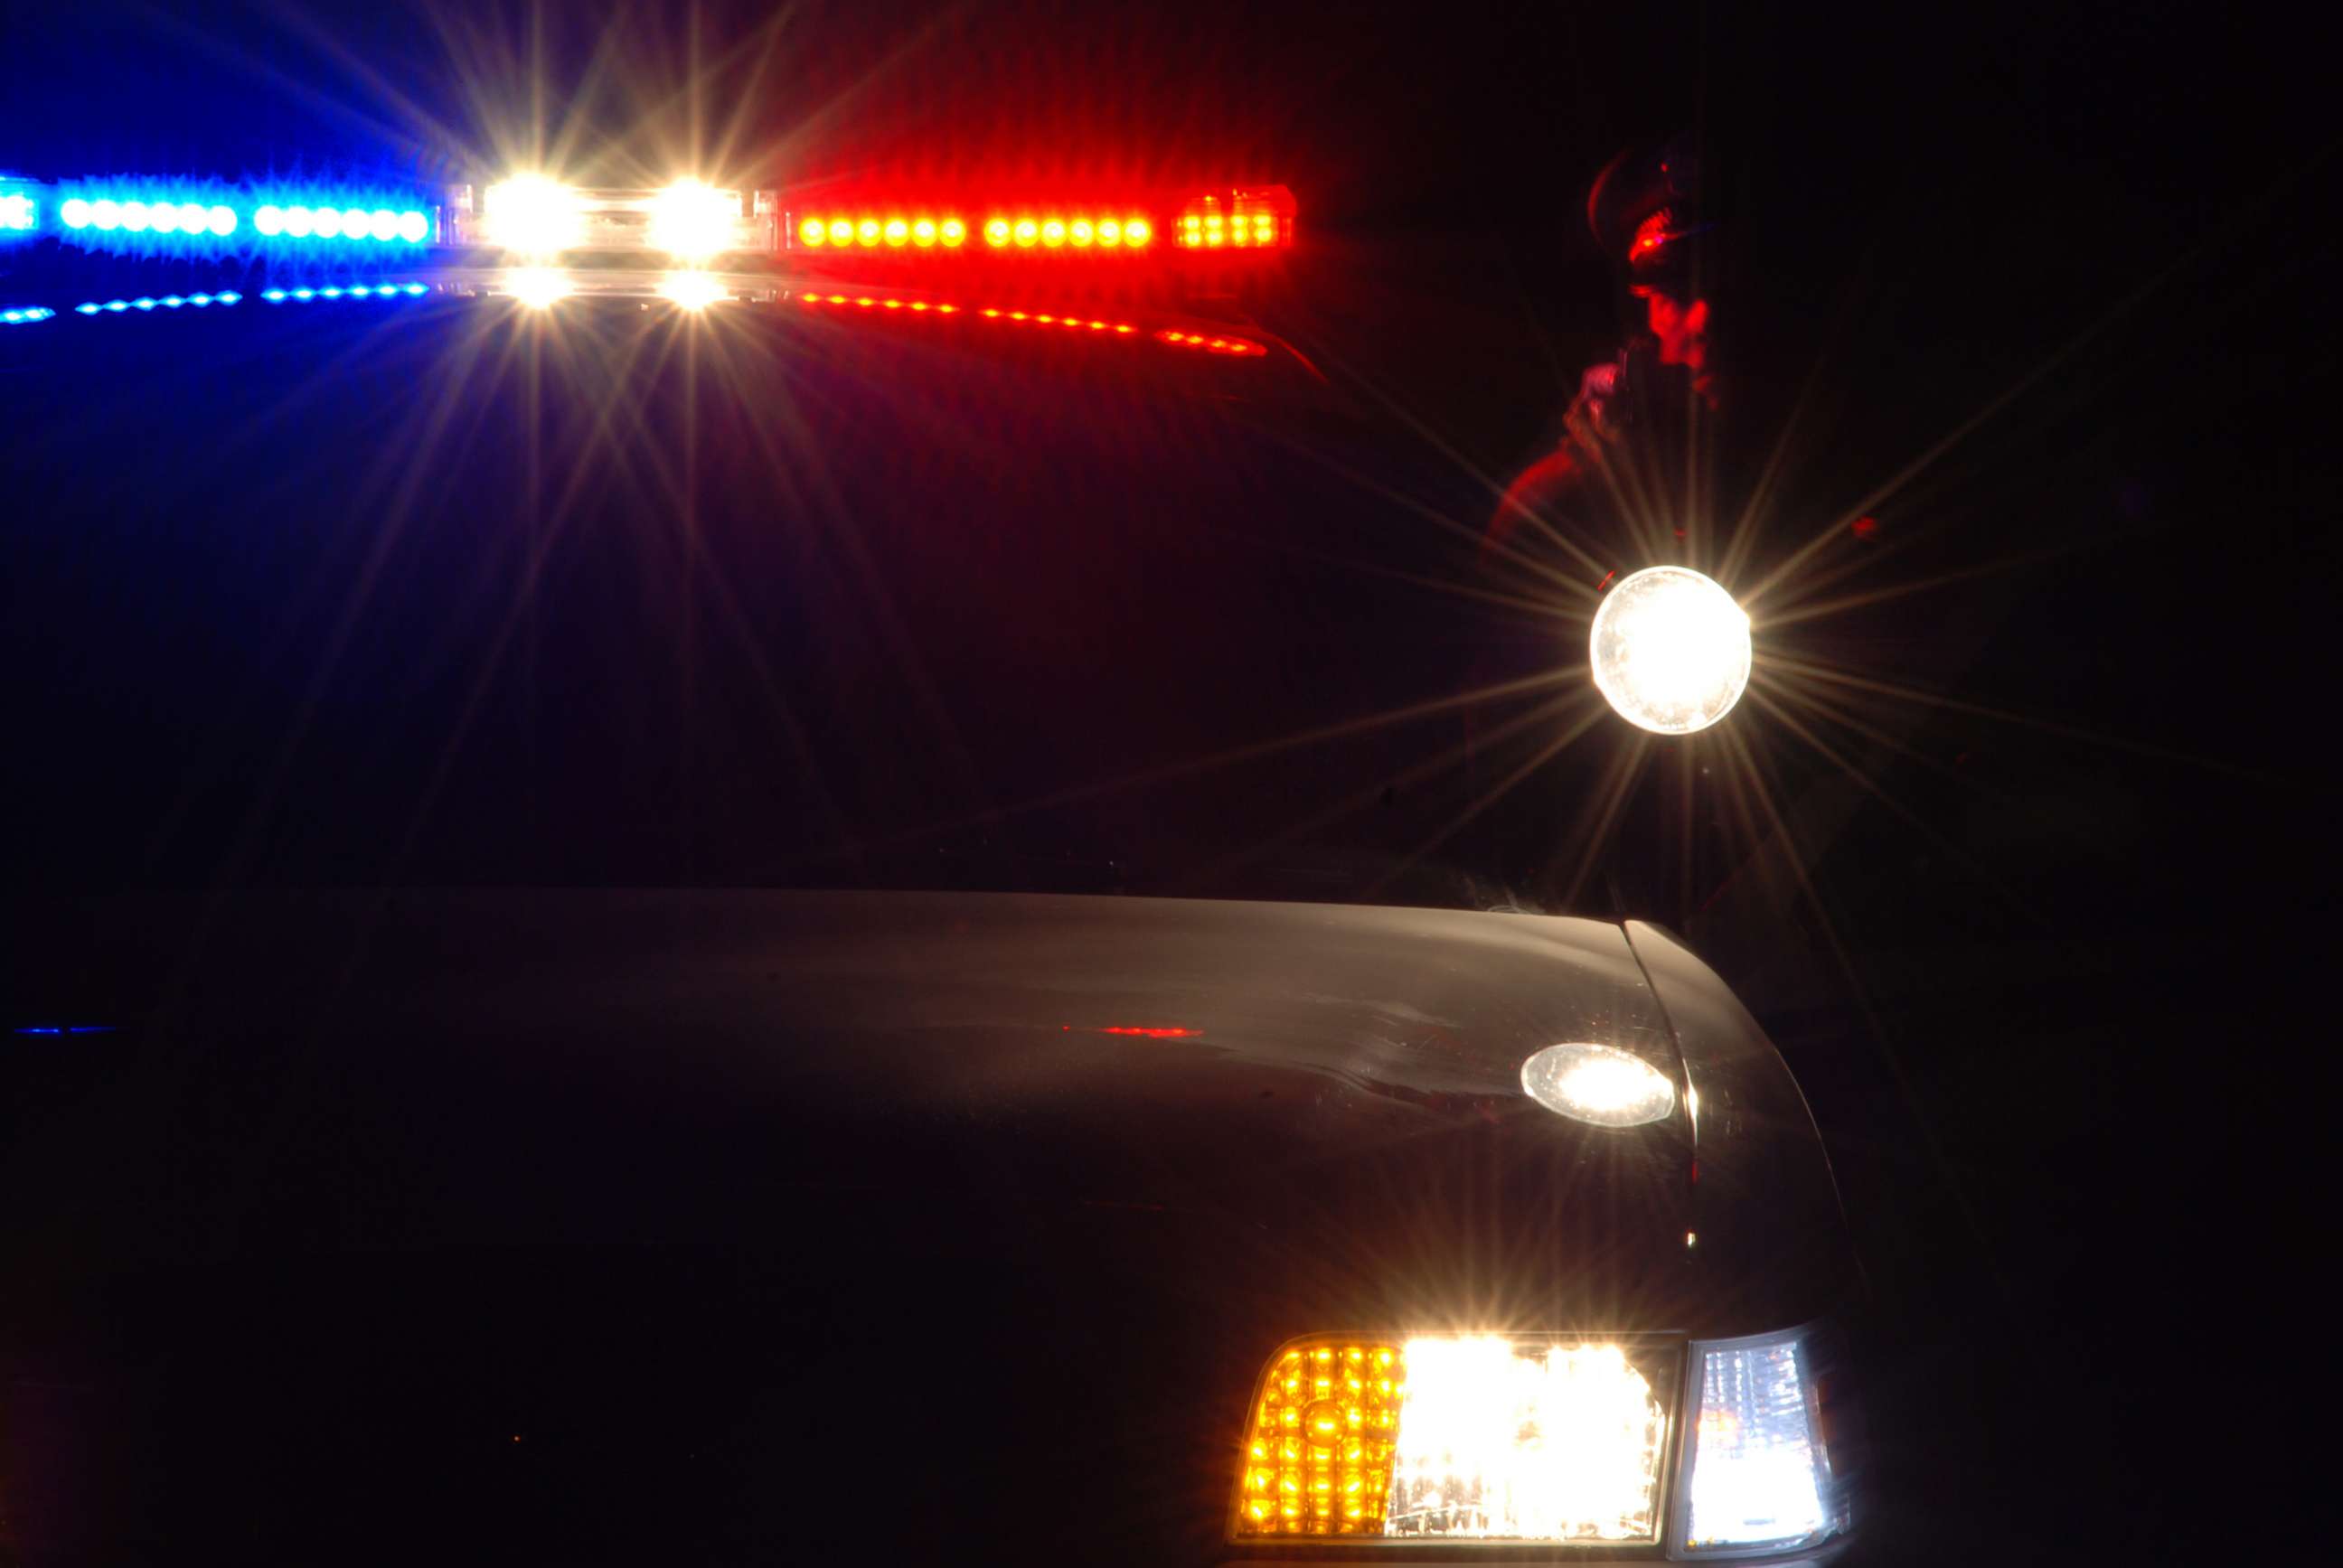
<point>1201,342</point>
<point>1210,343</point>
<point>1144,1031</point>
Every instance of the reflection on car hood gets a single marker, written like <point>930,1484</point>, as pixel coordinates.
<point>1337,1082</point>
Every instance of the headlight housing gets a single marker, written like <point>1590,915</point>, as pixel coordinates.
<point>1474,1439</point>
<point>1758,1472</point>
<point>1456,1438</point>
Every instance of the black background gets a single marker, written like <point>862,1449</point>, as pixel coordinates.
<point>2072,1068</point>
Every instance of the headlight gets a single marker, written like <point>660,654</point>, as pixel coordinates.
<point>1757,1471</point>
<point>1598,1084</point>
<point>1490,1438</point>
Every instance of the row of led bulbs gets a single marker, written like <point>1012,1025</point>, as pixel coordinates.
<point>1133,233</point>
<point>108,215</point>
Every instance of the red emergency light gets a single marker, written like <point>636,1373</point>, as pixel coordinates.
<point>1039,227</point>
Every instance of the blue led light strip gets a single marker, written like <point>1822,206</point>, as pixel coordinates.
<point>125,216</point>
<point>24,315</point>
<point>148,302</point>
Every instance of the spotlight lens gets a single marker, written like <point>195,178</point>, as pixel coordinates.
<point>1669,650</point>
<point>1598,1084</point>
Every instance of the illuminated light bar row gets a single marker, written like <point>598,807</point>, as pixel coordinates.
<point>384,225</point>
<point>25,316</point>
<point>148,302</point>
<point>346,291</point>
<point>18,211</point>
<point>108,215</point>
<point>921,232</point>
<point>1245,220</point>
<point>1094,232</point>
<point>539,217</point>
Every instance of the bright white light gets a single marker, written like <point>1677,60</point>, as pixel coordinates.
<point>538,286</point>
<point>533,216</point>
<point>413,226</point>
<point>327,222</point>
<point>74,213</point>
<point>297,222</point>
<point>222,220</point>
<point>693,222</point>
<point>357,223</point>
<point>692,290</point>
<point>1525,1440</point>
<point>1598,1084</point>
<point>135,217</point>
<point>1755,1475</point>
<point>106,213</point>
<point>1669,650</point>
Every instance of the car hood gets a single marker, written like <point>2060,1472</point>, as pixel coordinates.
<point>1031,1123</point>
<point>535,1068</point>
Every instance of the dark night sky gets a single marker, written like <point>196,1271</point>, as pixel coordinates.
<point>2064,1112</point>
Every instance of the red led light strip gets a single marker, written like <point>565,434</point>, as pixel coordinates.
<point>1101,233</point>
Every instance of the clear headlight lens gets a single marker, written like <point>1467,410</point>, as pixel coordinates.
<point>1598,1084</point>
<point>1756,1471</point>
<point>1458,1438</point>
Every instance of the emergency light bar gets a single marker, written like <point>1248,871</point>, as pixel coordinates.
<point>535,218</point>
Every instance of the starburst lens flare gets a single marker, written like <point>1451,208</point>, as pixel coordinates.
<point>691,290</point>
<point>531,216</point>
<point>1598,1084</point>
<point>1481,1437</point>
<point>1669,650</point>
<point>538,286</point>
<point>693,222</point>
